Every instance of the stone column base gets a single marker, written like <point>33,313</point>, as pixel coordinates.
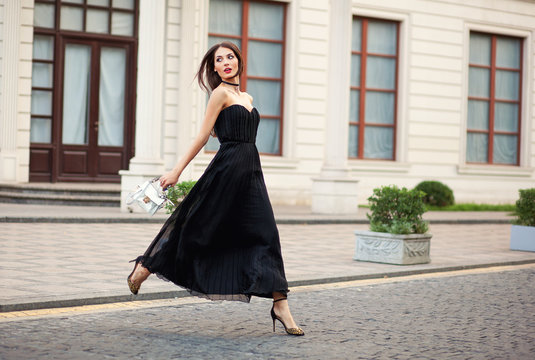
<point>334,195</point>
<point>8,166</point>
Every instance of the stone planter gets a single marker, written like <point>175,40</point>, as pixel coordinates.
<point>392,248</point>
<point>522,238</point>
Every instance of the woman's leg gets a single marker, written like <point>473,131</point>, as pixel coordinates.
<point>282,310</point>
<point>140,274</point>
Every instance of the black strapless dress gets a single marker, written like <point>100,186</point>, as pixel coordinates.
<point>222,242</point>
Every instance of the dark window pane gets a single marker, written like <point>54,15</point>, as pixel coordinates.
<point>267,94</point>
<point>381,73</point>
<point>221,13</point>
<point>508,52</point>
<point>353,141</point>
<point>264,59</point>
<point>43,47</point>
<point>355,70</point>
<point>379,108</point>
<point>480,45</point>
<point>505,149</point>
<point>212,40</point>
<point>41,130</point>
<point>356,38</point>
<point>378,143</point>
<point>382,37</point>
<point>478,115</point>
<point>505,117</point>
<point>266,21</point>
<point>477,147</point>
<point>72,18</point>
<point>267,139</point>
<point>507,85</point>
<point>43,15</point>
<point>354,105</point>
<point>478,82</point>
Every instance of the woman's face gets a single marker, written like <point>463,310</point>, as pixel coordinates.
<point>225,63</point>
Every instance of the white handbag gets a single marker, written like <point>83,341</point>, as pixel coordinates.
<point>149,196</point>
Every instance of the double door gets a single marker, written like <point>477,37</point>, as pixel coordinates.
<point>92,127</point>
<point>96,106</point>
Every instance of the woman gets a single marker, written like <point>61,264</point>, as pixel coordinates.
<point>222,242</point>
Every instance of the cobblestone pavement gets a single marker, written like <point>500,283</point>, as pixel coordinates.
<point>476,314</point>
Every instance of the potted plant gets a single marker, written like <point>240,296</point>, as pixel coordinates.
<point>397,235</point>
<point>523,230</point>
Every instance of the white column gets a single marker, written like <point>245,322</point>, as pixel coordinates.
<point>334,191</point>
<point>147,162</point>
<point>10,90</point>
<point>189,98</point>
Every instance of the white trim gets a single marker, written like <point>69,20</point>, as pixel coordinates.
<point>289,111</point>
<point>495,170</point>
<point>525,131</point>
<point>404,66</point>
<point>379,166</point>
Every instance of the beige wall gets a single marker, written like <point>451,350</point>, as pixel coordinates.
<point>16,35</point>
<point>434,80</point>
<point>432,95</point>
<point>432,99</point>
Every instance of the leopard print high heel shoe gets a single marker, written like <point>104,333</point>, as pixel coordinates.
<point>290,331</point>
<point>133,288</point>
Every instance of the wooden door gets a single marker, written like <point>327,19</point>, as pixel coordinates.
<point>96,101</point>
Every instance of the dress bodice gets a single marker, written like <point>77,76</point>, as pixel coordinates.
<point>237,124</point>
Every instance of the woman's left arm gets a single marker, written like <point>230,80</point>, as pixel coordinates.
<point>215,104</point>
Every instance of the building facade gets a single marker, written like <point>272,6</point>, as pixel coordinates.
<point>352,94</point>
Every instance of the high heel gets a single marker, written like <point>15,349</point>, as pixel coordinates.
<point>133,288</point>
<point>290,331</point>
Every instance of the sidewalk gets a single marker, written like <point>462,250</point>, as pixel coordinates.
<point>66,264</point>
<point>25,213</point>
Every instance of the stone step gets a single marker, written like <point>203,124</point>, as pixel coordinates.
<point>61,194</point>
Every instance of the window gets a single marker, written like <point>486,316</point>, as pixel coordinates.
<point>258,31</point>
<point>494,93</point>
<point>373,94</point>
<point>42,88</point>
<point>108,17</point>
<point>115,17</point>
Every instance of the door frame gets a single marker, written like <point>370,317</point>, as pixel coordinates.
<point>44,159</point>
<point>92,146</point>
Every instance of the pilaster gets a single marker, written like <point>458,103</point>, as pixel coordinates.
<point>147,162</point>
<point>10,90</point>
<point>334,191</point>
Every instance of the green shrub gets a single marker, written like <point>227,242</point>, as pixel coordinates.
<point>525,208</point>
<point>177,193</point>
<point>436,193</point>
<point>397,211</point>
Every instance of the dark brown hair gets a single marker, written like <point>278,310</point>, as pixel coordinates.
<point>206,73</point>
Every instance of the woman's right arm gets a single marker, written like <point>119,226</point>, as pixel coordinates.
<point>216,103</point>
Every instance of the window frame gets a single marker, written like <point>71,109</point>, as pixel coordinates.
<point>492,99</point>
<point>244,38</point>
<point>363,53</point>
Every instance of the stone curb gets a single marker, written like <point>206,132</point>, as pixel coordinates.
<point>183,293</point>
<point>57,220</point>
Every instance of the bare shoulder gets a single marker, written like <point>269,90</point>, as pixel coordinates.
<point>218,99</point>
<point>248,97</point>
<point>219,94</point>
